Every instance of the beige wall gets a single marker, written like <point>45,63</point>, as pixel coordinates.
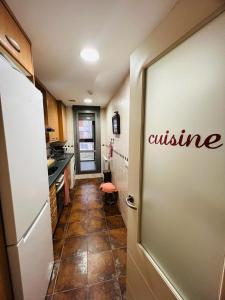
<point>119,167</point>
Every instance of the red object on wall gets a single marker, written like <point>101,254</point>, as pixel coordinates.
<point>110,150</point>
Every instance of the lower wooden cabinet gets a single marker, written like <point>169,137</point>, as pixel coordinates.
<point>53,207</point>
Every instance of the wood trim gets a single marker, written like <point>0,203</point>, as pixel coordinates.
<point>222,286</point>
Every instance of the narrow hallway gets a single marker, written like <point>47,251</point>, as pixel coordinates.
<point>89,248</point>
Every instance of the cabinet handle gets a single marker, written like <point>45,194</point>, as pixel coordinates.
<point>13,43</point>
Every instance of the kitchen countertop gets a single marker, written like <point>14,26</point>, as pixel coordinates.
<point>60,164</point>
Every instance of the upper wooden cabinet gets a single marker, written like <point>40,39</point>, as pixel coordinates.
<point>14,40</point>
<point>52,117</point>
<point>62,121</point>
<point>55,115</point>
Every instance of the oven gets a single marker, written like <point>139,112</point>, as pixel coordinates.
<point>60,194</point>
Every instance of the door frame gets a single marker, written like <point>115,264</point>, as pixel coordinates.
<point>186,18</point>
<point>96,111</point>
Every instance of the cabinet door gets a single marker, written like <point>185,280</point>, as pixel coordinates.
<point>62,122</point>
<point>13,39</point>
<point>53,122</point>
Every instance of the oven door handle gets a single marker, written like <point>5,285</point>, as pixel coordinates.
<point>60,187</point>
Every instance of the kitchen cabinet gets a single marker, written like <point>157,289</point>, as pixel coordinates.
<point>52,117</point>
<point>43,91</point>
<point>62,121</point>
<point>53,207</point>
<point>55,115</point>
<point>13,39</point>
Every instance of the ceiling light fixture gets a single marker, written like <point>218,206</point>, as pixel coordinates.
<point>88,100</point>
<point>89,55</point>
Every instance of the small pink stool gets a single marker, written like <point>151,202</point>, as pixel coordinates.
<point>110,192</point>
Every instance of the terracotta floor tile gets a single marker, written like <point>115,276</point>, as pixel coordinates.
<point>60,231</point>
<point>93,189</point>
<point>100,267</point>
<point>64,215</point>
<point>83,197</point>
<point>118,238</point>
<point>109,290</point>
<point>78,215</point>
<point>95,204</point>
<point>77,294</point>
<point>76,229</point>
<point>53,278</point>
<point>111,210</point>
<point>120,259</point>
<point>98,242</point>
<point>72,273</point>
<point>78,191</point>
<point>94,196</point>
<point>83,243</point>
<point>122,283</point>
<point>115,222</point>
<point>75,246</point>
<point>96,224</point>
<point>57,248</point>
<point>78,205</point>
<point>98,213</point>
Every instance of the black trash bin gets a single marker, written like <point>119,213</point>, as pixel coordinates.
<point>107,176</point>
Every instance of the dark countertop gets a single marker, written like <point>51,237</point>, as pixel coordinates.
<point>60,164</point>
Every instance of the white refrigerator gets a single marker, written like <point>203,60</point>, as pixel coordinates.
<point>24,184</point>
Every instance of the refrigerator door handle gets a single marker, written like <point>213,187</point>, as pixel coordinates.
<point>31,228</point>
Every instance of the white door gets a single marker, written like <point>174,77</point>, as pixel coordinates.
<point>31,260</point>
<point>23,163</point>
<point>179,250</point>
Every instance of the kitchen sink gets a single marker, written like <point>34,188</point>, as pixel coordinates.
<point>52,170</point>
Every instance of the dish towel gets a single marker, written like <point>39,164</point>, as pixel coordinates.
<point>66,188</point>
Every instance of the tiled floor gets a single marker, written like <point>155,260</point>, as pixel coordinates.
<point>89,249</point>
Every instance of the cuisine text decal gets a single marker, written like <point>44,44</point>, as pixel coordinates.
<point>212,141</point>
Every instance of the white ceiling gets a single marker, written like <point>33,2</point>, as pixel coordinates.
<point>59,29</point>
